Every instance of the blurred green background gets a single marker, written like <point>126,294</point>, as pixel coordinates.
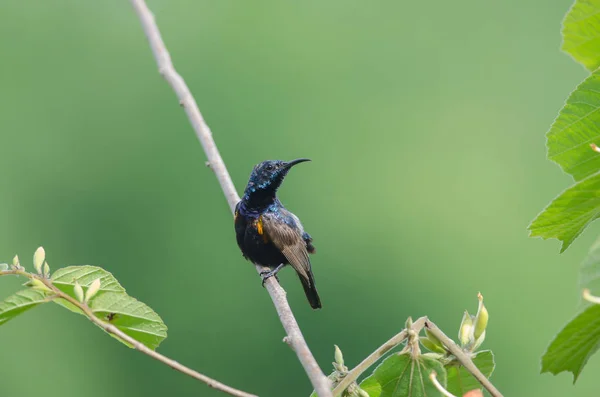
<point>425,122</point>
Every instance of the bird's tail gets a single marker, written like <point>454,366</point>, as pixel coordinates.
<point>310,290</point>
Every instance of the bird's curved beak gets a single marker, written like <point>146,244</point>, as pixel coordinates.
<point>292,163</point>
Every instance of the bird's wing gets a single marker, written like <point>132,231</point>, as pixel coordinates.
<point>289,241</point>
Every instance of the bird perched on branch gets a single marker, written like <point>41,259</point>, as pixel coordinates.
<point>270,235</point>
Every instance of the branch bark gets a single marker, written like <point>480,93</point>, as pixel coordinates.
<point>376,355</point>
<point>464,359</point>
<point>111,329</point>
<point>186,99</point>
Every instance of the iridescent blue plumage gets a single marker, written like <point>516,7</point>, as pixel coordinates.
<point>270,235</point>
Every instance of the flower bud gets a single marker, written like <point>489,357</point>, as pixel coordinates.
<point>46,269</point>
<point>3,266</point>
<point>38,259</point>
<point>78,292</point>
<point>15,261</point>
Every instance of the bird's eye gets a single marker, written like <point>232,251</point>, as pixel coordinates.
<point>270,167</point>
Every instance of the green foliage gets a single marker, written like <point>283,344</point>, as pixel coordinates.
<point>572,133</point>
<point>131,316</point>
<point>576,128</point>
<point>408,373</point>
<point>20,303</point>
<point>589,273</point>
<point>401,375</point>
<point>65,278</point>
<point>581,36</point>
<point>104,297</point>
<point>371,386</point>
<point>460,381</point>
<point>579,339</point>
<point>575,343</point>
<point>569,213</point>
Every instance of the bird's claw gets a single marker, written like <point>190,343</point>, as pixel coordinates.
<point>266,274</point>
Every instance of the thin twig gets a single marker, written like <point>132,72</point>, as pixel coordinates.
<point>463,358</point>
<point>376,355</point>
<point>167,70</point>
<point>111,329</point>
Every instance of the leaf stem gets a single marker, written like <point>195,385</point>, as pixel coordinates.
<point>295,339</point>
<point>463,358</point>
<point>110,328</point>
<point>394,341</point>
<point>438,385</point>
<point>587,295</point>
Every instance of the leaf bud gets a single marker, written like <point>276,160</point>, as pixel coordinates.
<point>339,358</point>
<point>433,338</point>
<point>37,284</point>
<point>465,333</point>
<point>481,318</point>
<point>362,393</point>
<point>93,290</point>
<point>78,292</point>
<point>38,259</point>
<point>430,345</point>
<point>478,341</point>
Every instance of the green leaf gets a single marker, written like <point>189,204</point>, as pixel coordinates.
<point>460,381</point>
<point>371,386</point>
<point>64,279</point>
<point>130,316</point>
<point>575,344</point>
<point>569,213</point>
<point>575,128</point>
<point>569,139</point>
<point>581,34</point>
<point>589,274</point>
<point>68,305</point>
<point>20,302</point>
<point>112,304</point>
<point>400,375</point>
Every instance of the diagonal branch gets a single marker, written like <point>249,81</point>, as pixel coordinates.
<point>167,70</point>
<point>463,358</point>
<point>395,340</point>
<point>111,329</point>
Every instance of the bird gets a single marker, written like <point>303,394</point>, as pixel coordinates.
<point>268,234</point>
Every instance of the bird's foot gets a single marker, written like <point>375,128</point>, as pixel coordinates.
<point>270,273</point>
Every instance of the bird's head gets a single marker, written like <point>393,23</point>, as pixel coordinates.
<point>267,176</point>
